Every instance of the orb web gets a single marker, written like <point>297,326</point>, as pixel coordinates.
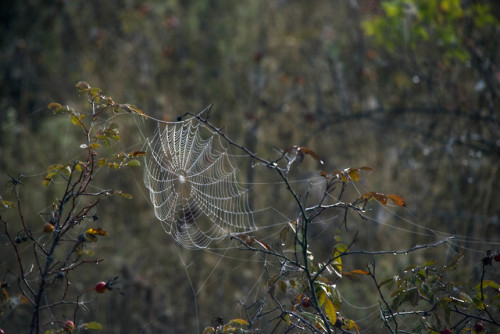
<point>193,186</point>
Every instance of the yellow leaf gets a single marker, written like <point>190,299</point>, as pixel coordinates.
<point>337,263</point>
<point>321,297</point>
<point>330,310</point>
<point>92,233</point>
<point>48,178</point>
<point>208,330</point>
<point>287,319</point>
<point>239,322</point>
<point>94,325</point>
<point>353,174</point>
<point>7,204</point>
<point>95,145</point>
<point>98,231</point>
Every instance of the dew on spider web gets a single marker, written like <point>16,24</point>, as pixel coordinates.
<point>193,185</point>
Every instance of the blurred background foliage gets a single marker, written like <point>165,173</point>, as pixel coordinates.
<point>408,87</point>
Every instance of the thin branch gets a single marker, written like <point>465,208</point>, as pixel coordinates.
<point>371,271</point>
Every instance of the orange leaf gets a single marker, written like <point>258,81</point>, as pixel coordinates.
<point>397,200</point>
<point>368,196</point>
<point>360,272</point>
<point>381,198</point>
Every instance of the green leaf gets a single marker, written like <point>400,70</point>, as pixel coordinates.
<point>488,284</point>
<point>76,119</point>
<point>94,325</point>
<point>101,162</point>
<point>124,195</point>
<point>465,297</point>
<point>55,168</point>
<point>95,91</point>
<point>133,163</point>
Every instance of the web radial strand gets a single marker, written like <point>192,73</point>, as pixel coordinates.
<point>193,185</point>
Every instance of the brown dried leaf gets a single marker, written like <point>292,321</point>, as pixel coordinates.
<point>263,244</point>
<point>137,153</point>
<point>313,154</point>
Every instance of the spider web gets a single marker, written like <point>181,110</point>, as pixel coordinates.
<point>193,187</point>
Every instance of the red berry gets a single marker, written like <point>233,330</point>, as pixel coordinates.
<point>446,331</point>
<point>100,287</point>
<point>2,331</point>
<point>306,302</point>
<point>497,257</point>
<point>479,326</point>
<point>69,326</point>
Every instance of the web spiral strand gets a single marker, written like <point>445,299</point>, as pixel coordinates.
<point>193,185</point>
